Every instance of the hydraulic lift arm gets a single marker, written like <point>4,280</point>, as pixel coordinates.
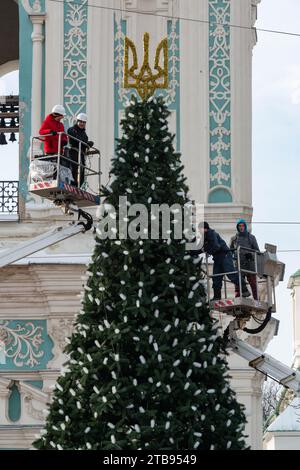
<point>266,364</point>
<point>43,241</point>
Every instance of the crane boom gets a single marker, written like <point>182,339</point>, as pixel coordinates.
<point>266,364</point>
<point>40,242</point>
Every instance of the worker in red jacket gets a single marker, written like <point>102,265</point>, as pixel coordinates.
<point>52,125</point>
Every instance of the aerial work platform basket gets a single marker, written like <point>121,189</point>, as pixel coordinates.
<point>267,268</point>
<point>52,176</point>
<point>239,305</point>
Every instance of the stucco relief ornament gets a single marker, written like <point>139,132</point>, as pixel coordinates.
<point>36,6</point>
<point>31,410</point>
<point>32,7</point>
<point>60,331</point>
<point>220,94</point>
<point>174,65</point>
<point>75,57</point>
<point>123,94</point>
<point>146,81</point>
<point>22,344</point>
<point>3,335</point>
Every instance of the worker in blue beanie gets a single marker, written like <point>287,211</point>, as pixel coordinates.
<point>246,240</point>
<point>215,246</point>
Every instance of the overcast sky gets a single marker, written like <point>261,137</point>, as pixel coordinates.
<point>276,147</point>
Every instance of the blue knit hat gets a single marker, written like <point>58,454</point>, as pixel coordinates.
<point>241,221</point>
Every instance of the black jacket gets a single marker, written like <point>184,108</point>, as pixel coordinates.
<point>79,134</point>
<point>213,245</point>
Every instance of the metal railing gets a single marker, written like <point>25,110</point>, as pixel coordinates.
<point>9,197</point>
<point>62,157</point>
<point>261,277</point>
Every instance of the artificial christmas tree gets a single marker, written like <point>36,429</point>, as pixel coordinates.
<point>147,366</point>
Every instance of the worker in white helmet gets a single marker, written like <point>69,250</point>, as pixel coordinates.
<point>79,132</point>
<point>50,128</point>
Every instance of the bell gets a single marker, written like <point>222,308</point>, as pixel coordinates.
<point>12,122</point>
<point>12,137</point>
<point>2,122</point>
<point>2,139</point>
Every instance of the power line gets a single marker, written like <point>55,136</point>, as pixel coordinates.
<point>259,222</point>
<point>182,18</point>
<point>276,223</point>
<point>41,219</point>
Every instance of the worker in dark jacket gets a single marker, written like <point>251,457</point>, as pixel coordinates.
<point>79,132</point>
<point>246,240</point>
<point>215,246</point>
<point>53,125</point>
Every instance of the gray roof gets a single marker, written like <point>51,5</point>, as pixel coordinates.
<point>289,419</point>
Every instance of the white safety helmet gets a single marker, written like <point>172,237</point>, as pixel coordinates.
<point>58,109</point>
<point>81,117</point>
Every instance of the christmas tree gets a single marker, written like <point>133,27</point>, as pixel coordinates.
<point>147,366</point>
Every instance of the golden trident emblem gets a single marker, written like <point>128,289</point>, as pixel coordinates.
<point>144,81</point>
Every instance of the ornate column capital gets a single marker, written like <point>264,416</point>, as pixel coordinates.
<point>37,18</point>
<point>37,21</point>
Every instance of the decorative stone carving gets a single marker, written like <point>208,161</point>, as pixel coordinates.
<point>22,343</point>
<point>31,410</point>
<point>121,94</point>
<point>59,330</point>
<point>4,396</point>
<point>3,334</point>
<point>219,93</point>
<point>36,6</point>
<point>75,57</point>
<point>33,6</point>
<point>174,63</point>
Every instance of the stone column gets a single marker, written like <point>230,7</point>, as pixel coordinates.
<point>4,394</point>
<point>37,67</point>
<point>294,284</point>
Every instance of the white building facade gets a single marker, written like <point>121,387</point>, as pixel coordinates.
<point>72,54</point>
<point>284,431</point>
